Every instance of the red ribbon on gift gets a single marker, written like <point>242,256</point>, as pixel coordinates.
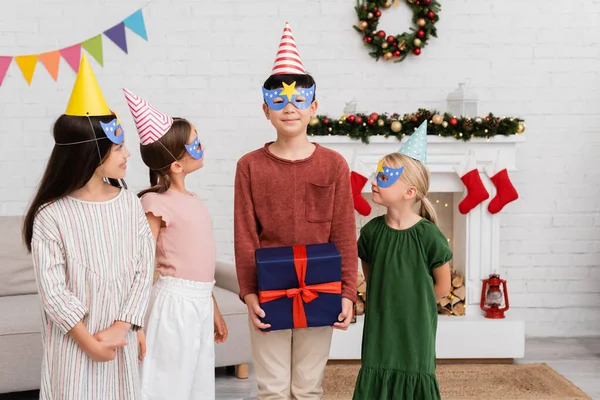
<point>303,294</point>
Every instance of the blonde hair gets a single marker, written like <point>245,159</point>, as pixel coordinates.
<point>415,174</point>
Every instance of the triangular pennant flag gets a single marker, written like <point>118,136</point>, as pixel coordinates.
<point>135,22</point>
<point>416,145</point>
<point>287,60</point>
<point>4,64</point>
<point>94,47</point>
<point>51,61</point>
<point>117,35</point>
<point>86,98</point>
<point>72,56</point>
<point>27,65</point>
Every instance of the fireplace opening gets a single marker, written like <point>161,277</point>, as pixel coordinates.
<point>453,225</point>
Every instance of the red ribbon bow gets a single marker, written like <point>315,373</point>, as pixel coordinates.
<point>303,294</point>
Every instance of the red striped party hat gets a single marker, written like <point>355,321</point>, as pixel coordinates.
<point>151,123</point>
<point>288,59</point>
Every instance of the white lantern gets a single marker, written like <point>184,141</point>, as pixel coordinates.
<point>462,102</point>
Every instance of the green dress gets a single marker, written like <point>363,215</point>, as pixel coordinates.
<point>398,347</point>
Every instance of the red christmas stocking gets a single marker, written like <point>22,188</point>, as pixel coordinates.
<point>505,192</point>
<point>476,192</point>
<point>357,181</point>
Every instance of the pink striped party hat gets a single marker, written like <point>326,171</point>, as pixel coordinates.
<point>151,123</point>
<point>288,59</point>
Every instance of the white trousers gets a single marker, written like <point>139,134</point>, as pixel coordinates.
<point>180,352</point>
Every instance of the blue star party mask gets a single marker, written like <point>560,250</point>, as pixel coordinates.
<point>114,131</point>
<point>195,149</point>
<point>277,99</point>
<point>387,176</point>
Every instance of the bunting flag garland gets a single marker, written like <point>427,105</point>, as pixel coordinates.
<point>72,54</point>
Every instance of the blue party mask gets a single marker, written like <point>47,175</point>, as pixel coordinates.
<point>387,176</point>
<point>114,131</point>
<point>195,149</point>
<point>277,99</point>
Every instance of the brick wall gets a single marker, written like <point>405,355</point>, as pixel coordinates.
<point>206,61</point>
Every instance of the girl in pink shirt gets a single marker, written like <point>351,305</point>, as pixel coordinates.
<point>184,321</point>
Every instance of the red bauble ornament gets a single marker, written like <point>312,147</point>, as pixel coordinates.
<point>359,120</point>
<point>415,119</point>
<point>351,118</point>
<point>431,15</point>
<point>397,53</point>
<point>378,14</point>
<point>374,116</point>
<point>390,39</point>
<point>426,2</point>
<point>418,3</point>
<point>365,8</point>
<point>453,121</point>
<point>417,51</point>
<point>370,121</point>
<point>368,40</point>
<point>421,34</point>
<point>375,9</point>
<point>381,34</point>
<point>325,121</point>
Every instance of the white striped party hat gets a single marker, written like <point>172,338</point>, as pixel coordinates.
<point>151,123</point>
<point>287,60</point>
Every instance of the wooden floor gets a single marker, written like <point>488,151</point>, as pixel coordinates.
<point>578,360</point>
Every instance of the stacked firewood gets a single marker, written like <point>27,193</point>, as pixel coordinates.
<point>454,303</point>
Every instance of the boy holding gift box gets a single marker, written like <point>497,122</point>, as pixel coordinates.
<point>295,193</point>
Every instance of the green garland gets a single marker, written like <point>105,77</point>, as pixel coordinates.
<point>363,126</point>
<point>425,15</point>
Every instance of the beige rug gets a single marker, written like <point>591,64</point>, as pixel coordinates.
<point>473,381</point>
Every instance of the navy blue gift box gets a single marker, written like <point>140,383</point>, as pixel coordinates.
<point>300,286</point>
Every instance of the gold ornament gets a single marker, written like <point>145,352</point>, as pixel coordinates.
<point>343,117</point>
<point>384,45</point>
<point>521,128</point>
<point>417,42</point>
<point>362,25</point>
<point>314,121</point>
<point>402,45</point>
<point>445,124</point>
<point>396,126</point>
<point>387,4</point>
<point>380,122</point>
<point>370,15</point>
<point>437,119</point>
<point>387,56</point>
<point>421,22</point>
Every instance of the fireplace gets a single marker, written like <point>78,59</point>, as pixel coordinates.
<point>474,239</point>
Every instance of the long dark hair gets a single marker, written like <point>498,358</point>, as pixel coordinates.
<point>69,167</point>
<point>303,81</point>
<point>159,156</point>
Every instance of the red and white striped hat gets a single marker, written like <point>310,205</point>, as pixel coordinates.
<point>288,60</point>
<point>151,123</point>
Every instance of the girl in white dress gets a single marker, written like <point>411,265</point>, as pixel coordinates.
<point>93,255</point>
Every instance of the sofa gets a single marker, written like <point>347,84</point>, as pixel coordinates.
<point>20,338</point>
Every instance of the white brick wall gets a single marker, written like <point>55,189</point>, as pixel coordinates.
<point>206,61</point>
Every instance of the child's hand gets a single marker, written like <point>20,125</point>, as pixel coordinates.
<point>220,327</point>
<point>346,314</point>
<point>254,311</point>
<point>114,334</point>
<point>104,351</point>
<point>141,337</point>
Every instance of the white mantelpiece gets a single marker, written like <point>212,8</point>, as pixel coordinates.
<point>476,243</point>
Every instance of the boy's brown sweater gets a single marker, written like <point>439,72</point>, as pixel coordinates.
<point>280,202</point>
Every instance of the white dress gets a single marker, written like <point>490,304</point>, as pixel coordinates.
<point>93,263</point>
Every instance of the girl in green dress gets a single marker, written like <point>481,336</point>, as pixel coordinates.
<point>405,259</point>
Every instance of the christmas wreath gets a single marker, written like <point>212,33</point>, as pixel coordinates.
<point>362,126</point>
<point>425,15</point>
